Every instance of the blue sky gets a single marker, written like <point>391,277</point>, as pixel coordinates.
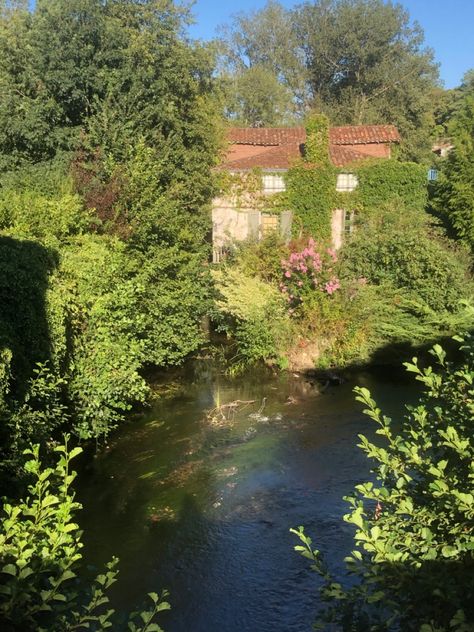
<point>448,26</point>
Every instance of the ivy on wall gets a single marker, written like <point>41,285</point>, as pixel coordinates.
<point>246,190</point>
<point>311,184</point>
<point>310,194</point>
<point>385,181</point>
<point>317,141</point>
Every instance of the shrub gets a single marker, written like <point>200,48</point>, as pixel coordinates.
<point>414,261</point>
<point>254,313</point>
<point>40,560</point>
<point>413,563</point>
<point>308,270</point>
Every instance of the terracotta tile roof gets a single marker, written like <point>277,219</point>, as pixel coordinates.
<point>281,146</point>
<point>266,136</point>
<point>363,134</point>
<point>271,157</point>
<point>343,155</point>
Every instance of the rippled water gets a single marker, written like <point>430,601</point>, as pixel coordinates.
<point>204,509</point>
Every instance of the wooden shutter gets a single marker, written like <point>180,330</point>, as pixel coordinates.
<point>285,225</point>
<point>254,224</point>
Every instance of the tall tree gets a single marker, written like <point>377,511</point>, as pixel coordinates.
<point>454,198</point>
<point>368,64</point>
<point>264,43</point>
<point>359,61</point>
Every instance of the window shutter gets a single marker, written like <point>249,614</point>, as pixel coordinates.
<point>285,225</point>
<point>253,224</point>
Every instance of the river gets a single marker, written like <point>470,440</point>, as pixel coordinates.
<point>203,506</point>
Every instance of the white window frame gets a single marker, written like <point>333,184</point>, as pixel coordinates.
<point>346,182</point>
<point>348,223</point>
<point>273,183</point>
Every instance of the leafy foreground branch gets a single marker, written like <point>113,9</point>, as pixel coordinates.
<point>412,567</point>
<point>40,561</point>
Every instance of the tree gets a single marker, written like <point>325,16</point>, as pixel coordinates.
<point>255,98</point>
<point>454,194</point>
<point>367,63</point>
<point>262,45</point>
<point>414,535</point>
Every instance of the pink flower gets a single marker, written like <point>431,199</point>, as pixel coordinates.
<point>288,274</point>
<point>332,285</point>
<point>332,254</point>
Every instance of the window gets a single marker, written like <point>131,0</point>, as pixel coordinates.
<point>346,182</point>
<point>273,183</point>
<point>269,223</point>
<point>349,223</point>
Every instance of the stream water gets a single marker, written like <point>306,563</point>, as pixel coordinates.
<point>203,506</point>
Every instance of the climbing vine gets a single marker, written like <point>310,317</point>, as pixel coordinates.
<point>385,181</point>
<point>311,184</point>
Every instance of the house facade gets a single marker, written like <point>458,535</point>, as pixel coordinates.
<point>272,151</point>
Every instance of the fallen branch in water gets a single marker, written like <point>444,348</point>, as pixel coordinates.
<point>226,412</point>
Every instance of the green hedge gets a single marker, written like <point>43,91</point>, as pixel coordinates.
<point>387,181</point>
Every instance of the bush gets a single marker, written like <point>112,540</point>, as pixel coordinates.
<point>40,560</point>
<point>416,262</point>
<point>383,182</point>
<point>253,312</point>
<point>413,563</point>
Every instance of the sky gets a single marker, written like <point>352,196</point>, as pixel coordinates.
<point>448,26</point>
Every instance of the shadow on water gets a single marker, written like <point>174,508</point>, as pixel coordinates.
<point>204,510</point>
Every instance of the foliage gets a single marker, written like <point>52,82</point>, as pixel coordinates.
<point>253,312</point>
<point>414,524</point>
<point>391,181</point>
<point>317,140</point>
<point>119,69</point>
<point>42,582</point>
<point>412,260</point>
<point>359,61</point>
<point>368,64</point>
<point>265,42</point>
<point>308,270</point>
<point>254,97</point>
<point>261,258</point>
<point>454,194</point>
<point>108,136</point>
<point>310,194</point>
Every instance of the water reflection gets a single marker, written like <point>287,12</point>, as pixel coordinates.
<point>204,509</point>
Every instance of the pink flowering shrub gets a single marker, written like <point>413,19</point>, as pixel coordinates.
<point>309,269</point>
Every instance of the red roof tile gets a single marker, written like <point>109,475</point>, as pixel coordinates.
<point>363,134</point>
<point>281,146</point>
<point>266,136</point>
<point>343,155</point>
<point>271,157</point>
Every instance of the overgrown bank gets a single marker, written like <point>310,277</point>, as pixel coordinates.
<point>105,185</point>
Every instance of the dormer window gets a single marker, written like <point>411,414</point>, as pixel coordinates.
<point>346,182</point>
<point>273,183</point>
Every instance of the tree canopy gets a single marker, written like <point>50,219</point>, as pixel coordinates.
<point>359,61</point>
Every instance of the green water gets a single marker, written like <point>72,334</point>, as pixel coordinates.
<point>203,506</point>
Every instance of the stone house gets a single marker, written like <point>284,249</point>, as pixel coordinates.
<point>272,151</point>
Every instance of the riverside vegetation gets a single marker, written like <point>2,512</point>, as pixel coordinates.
<point>109,132</point>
